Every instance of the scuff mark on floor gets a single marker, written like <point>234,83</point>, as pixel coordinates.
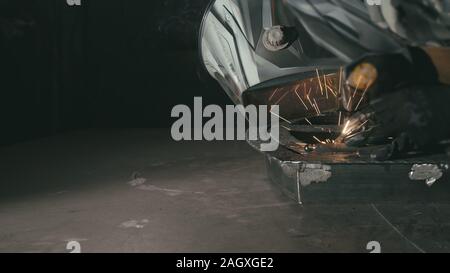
<point>58,193</point>
<point>138,224</point>
<point>43,244</point>
<point>159,164</point>
<point>265,206</point>
<point>75,240</point>
<point>170,192</point>
<point>137,182</point>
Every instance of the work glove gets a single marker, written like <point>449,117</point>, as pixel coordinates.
<point>413,119</point>
<point>376,75</point>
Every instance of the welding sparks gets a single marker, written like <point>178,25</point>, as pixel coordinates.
<point>282,97</point>
<point>362,97</point>
<point>330,85</point>
<point>317,107</point>
<point>349,102</point>
<point>309,99</point>
<point>359,126</point>
<point>273,94</point>
<point>307,120</point>
<point>330,81</point>
<point>344,131</point>
<point>318,95</point>
<point>352,135</point>
<point>320,82</point>
<point>318,140</point>
<point>350,129</point>
<point>332,91</point>
<point>300,98</point>
<point>289,129</point>
<point>280,117</point>
<point>357,85</point>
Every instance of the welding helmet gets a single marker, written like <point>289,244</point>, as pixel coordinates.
<point>289,52</point>
<point>417,21</point>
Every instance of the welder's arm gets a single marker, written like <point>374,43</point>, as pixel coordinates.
<point>440,57</point>
<point>413,118</point>
<point>407,105</point>
<point>381,74</point>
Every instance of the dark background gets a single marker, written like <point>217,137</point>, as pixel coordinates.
<point>104,64</point>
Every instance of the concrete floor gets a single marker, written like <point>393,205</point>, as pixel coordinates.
<point>135,191</point>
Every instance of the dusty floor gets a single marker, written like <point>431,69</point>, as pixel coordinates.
<point>135,191</point>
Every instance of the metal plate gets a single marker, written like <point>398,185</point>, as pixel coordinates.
<point>309,181</point>
<point>339,174</point>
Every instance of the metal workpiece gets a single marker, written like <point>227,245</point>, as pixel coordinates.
<point>368,182</point>
<point>333,173</point>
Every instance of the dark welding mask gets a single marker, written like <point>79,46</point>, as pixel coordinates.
<point>417,21</point>
<point>288,53</point>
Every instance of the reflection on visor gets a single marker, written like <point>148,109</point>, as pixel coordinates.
<point>315,95</point>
